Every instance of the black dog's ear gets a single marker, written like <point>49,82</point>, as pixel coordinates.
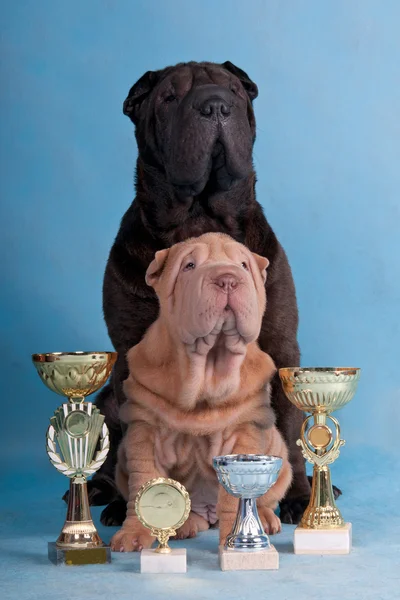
<point>247,83</point>
<point>137,94</point>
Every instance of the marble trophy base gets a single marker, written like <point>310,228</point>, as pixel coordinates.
<point>82,556</point>
<point>237,560</point>
<point>155,562</point>
<point>322,541</point>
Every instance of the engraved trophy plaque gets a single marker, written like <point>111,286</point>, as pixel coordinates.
<point>77,446</point>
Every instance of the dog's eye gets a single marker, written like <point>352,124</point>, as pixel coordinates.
<point>189,266</point>
<point>169,98</point>
<point>244,265</point>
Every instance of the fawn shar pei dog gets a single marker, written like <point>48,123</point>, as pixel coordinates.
<point>198,386</point>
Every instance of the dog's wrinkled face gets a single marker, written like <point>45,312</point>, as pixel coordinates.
<point>195,122</point>
<point>212,289</point>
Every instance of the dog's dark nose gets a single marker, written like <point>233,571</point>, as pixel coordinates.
<point>213,101</point>
<point>215,107</point>
<point>227,282</point>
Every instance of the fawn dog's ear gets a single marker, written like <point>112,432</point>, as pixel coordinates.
<point>262,264</point>
<point>156,267</point>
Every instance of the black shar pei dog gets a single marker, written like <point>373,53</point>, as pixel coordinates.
<point>195,130</point>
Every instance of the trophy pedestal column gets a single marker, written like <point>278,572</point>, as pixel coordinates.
<point>78,543</point>
<point>323,541</point>
<point>253,560</point>
<point>157,562</point>
<point>322,529</point>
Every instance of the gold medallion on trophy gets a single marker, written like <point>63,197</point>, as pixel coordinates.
<point>163,505</point>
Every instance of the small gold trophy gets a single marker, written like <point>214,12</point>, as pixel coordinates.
<point>320,391</point>
<point>72,446</point>
<point>163,505</point>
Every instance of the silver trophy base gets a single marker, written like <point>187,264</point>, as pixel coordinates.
<point>259,560</point>
<point>247,543</point>
<point>78,556</point>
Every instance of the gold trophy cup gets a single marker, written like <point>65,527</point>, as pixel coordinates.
<point>320,391</point>
<point>77,446</point>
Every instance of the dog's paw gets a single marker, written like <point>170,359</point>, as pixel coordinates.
<point>100,492</point>
<point>269,520</point>
<point>292,509</point>
<point>132,539</point>
<point>192,527</point>
<point>114,514</point>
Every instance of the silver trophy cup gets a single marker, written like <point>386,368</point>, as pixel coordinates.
<point>247,476</point>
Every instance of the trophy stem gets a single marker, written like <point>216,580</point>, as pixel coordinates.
<point>247,532</point>
<point>163,536</point>
<point>79,530</point>
<point>76,399</point>
<point>322,512</point>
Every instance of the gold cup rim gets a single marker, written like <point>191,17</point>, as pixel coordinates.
<point>65,356</point>
<point>333,370</point>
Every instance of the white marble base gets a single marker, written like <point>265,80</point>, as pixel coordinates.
<point>236,560</point>
<point>322,541</point>
<point>154,562</point>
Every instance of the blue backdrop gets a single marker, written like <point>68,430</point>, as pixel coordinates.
<point>327,158</point>
<point>327,154</point>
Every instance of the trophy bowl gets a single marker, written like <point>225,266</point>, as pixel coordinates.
<point>322,389</point>
<point>74,374</point>
<point>247,476</point>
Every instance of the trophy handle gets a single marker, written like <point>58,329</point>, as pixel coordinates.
<point>69,471</point>
<point>101,454</point>
<point>327,456</point>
